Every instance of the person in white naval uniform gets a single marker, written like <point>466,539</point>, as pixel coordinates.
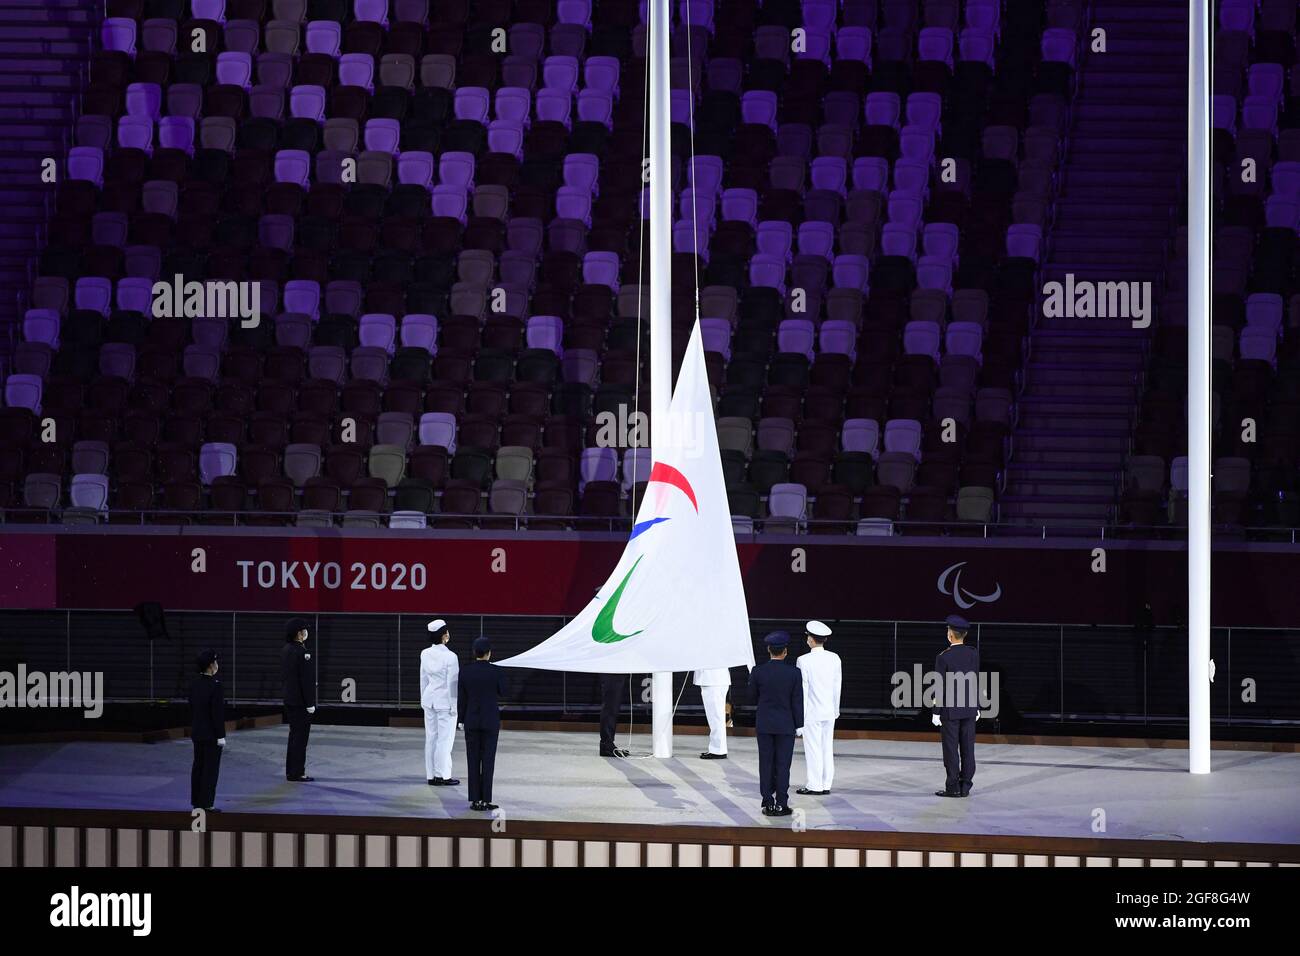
<point>714,683</point>
<point>439,677</point>
<point>821,706</point>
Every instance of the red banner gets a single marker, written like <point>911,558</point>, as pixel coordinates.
<point>553,574</point>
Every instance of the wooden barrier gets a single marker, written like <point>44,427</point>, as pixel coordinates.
<point>39,837</point>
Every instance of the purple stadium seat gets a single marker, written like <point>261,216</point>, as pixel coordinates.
<point>235,69</point>
<point>545,332</point>
<point>357,69</point>
<point>176,132</point>
<point>383,135</point>
<point>597,464</point>
<point>420,330</point>
<point>86,162</point>
<point>977,45</point>
<point>24,391</point>
<point>118,34</point>
<point>372,11</point>
<point>378,330</point>
<point>438,428</point>
<point>560,73</point>
<point>144,99</point>
<point>208,10</point>
<point>293,166</point>
<point>135,132</point>
<point>415,168</point>
<point>839,336</point>
<point>307,102</point>
<point>451,202</point>
<point>554,106</point>
<point>325,37</point>
<point>41,325</point>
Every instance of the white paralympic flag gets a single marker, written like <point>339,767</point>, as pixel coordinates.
<point>675,601</point>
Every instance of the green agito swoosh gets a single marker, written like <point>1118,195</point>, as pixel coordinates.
<point>602,630</point>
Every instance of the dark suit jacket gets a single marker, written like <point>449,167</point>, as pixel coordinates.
<point>481,686</point>
<point>776,687</point>
<point>208,709</point>
<point>298,676</point>
<point>958,659</point>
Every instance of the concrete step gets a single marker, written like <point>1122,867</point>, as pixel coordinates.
<point>1042,390</point>
<point>1047,471</point>
<point>1134,361</point>
<point>1067,460</point>
<point>1103,489</point>
<point>1076,404</point>
<point>1054,440</point>
<point>1096,510</point>
<point>1081,422</point>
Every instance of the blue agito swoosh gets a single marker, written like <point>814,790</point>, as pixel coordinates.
<point>644,526</point>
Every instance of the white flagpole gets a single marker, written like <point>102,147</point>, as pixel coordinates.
<point>1199,543</point>
<point>661,352</point>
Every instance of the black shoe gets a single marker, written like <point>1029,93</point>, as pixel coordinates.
<point>489,806</point>
<point>768,811</point>
<point>812,793</point>
<point>433,782</point>
<point>781,811</point>
<point>947,793</point>
<point>966,791</point>
<point>449,782</point>
<point>708,755</point>
<point>477,805</point>
<point>303,779</point>
<point>616,752</point>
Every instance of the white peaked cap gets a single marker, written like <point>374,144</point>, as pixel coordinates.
<point>436,626</point>
<point>817,629</point>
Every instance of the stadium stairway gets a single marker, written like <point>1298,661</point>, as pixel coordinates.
<point>1115,216</point>
<point>45,48</point>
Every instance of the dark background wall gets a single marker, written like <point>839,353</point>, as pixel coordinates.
<point>1046,671</point>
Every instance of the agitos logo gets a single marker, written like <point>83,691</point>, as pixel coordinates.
<point>602,629</point>
<point>949,583</point>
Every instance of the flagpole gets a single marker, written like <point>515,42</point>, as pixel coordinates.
<point>1199,388</point>
<point>661,353</point>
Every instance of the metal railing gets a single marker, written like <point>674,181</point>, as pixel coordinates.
<point>108,519</point>
<point>1045,673</point>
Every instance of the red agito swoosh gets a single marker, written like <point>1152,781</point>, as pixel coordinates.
<point>671,476</point>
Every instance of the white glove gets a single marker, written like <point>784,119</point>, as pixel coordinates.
<point>311,710</point>
<point>798,732</point>
<point>221,742</point>
<point>460,726</point>
<point>1211,670</point>
<point>934,719</point>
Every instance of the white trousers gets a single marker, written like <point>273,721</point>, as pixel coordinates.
<point>819,753</point>
<point>439,736</point>
<point>715,709</point>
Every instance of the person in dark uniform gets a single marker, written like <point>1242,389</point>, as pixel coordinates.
<point>611,702</point>
<point>207,731</point>
<point>298,675</point>
<point>482,685</point>
<point>776,688</point>
<point>958,668</point>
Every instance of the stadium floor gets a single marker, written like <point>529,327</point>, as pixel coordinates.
<point>879,785</point>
